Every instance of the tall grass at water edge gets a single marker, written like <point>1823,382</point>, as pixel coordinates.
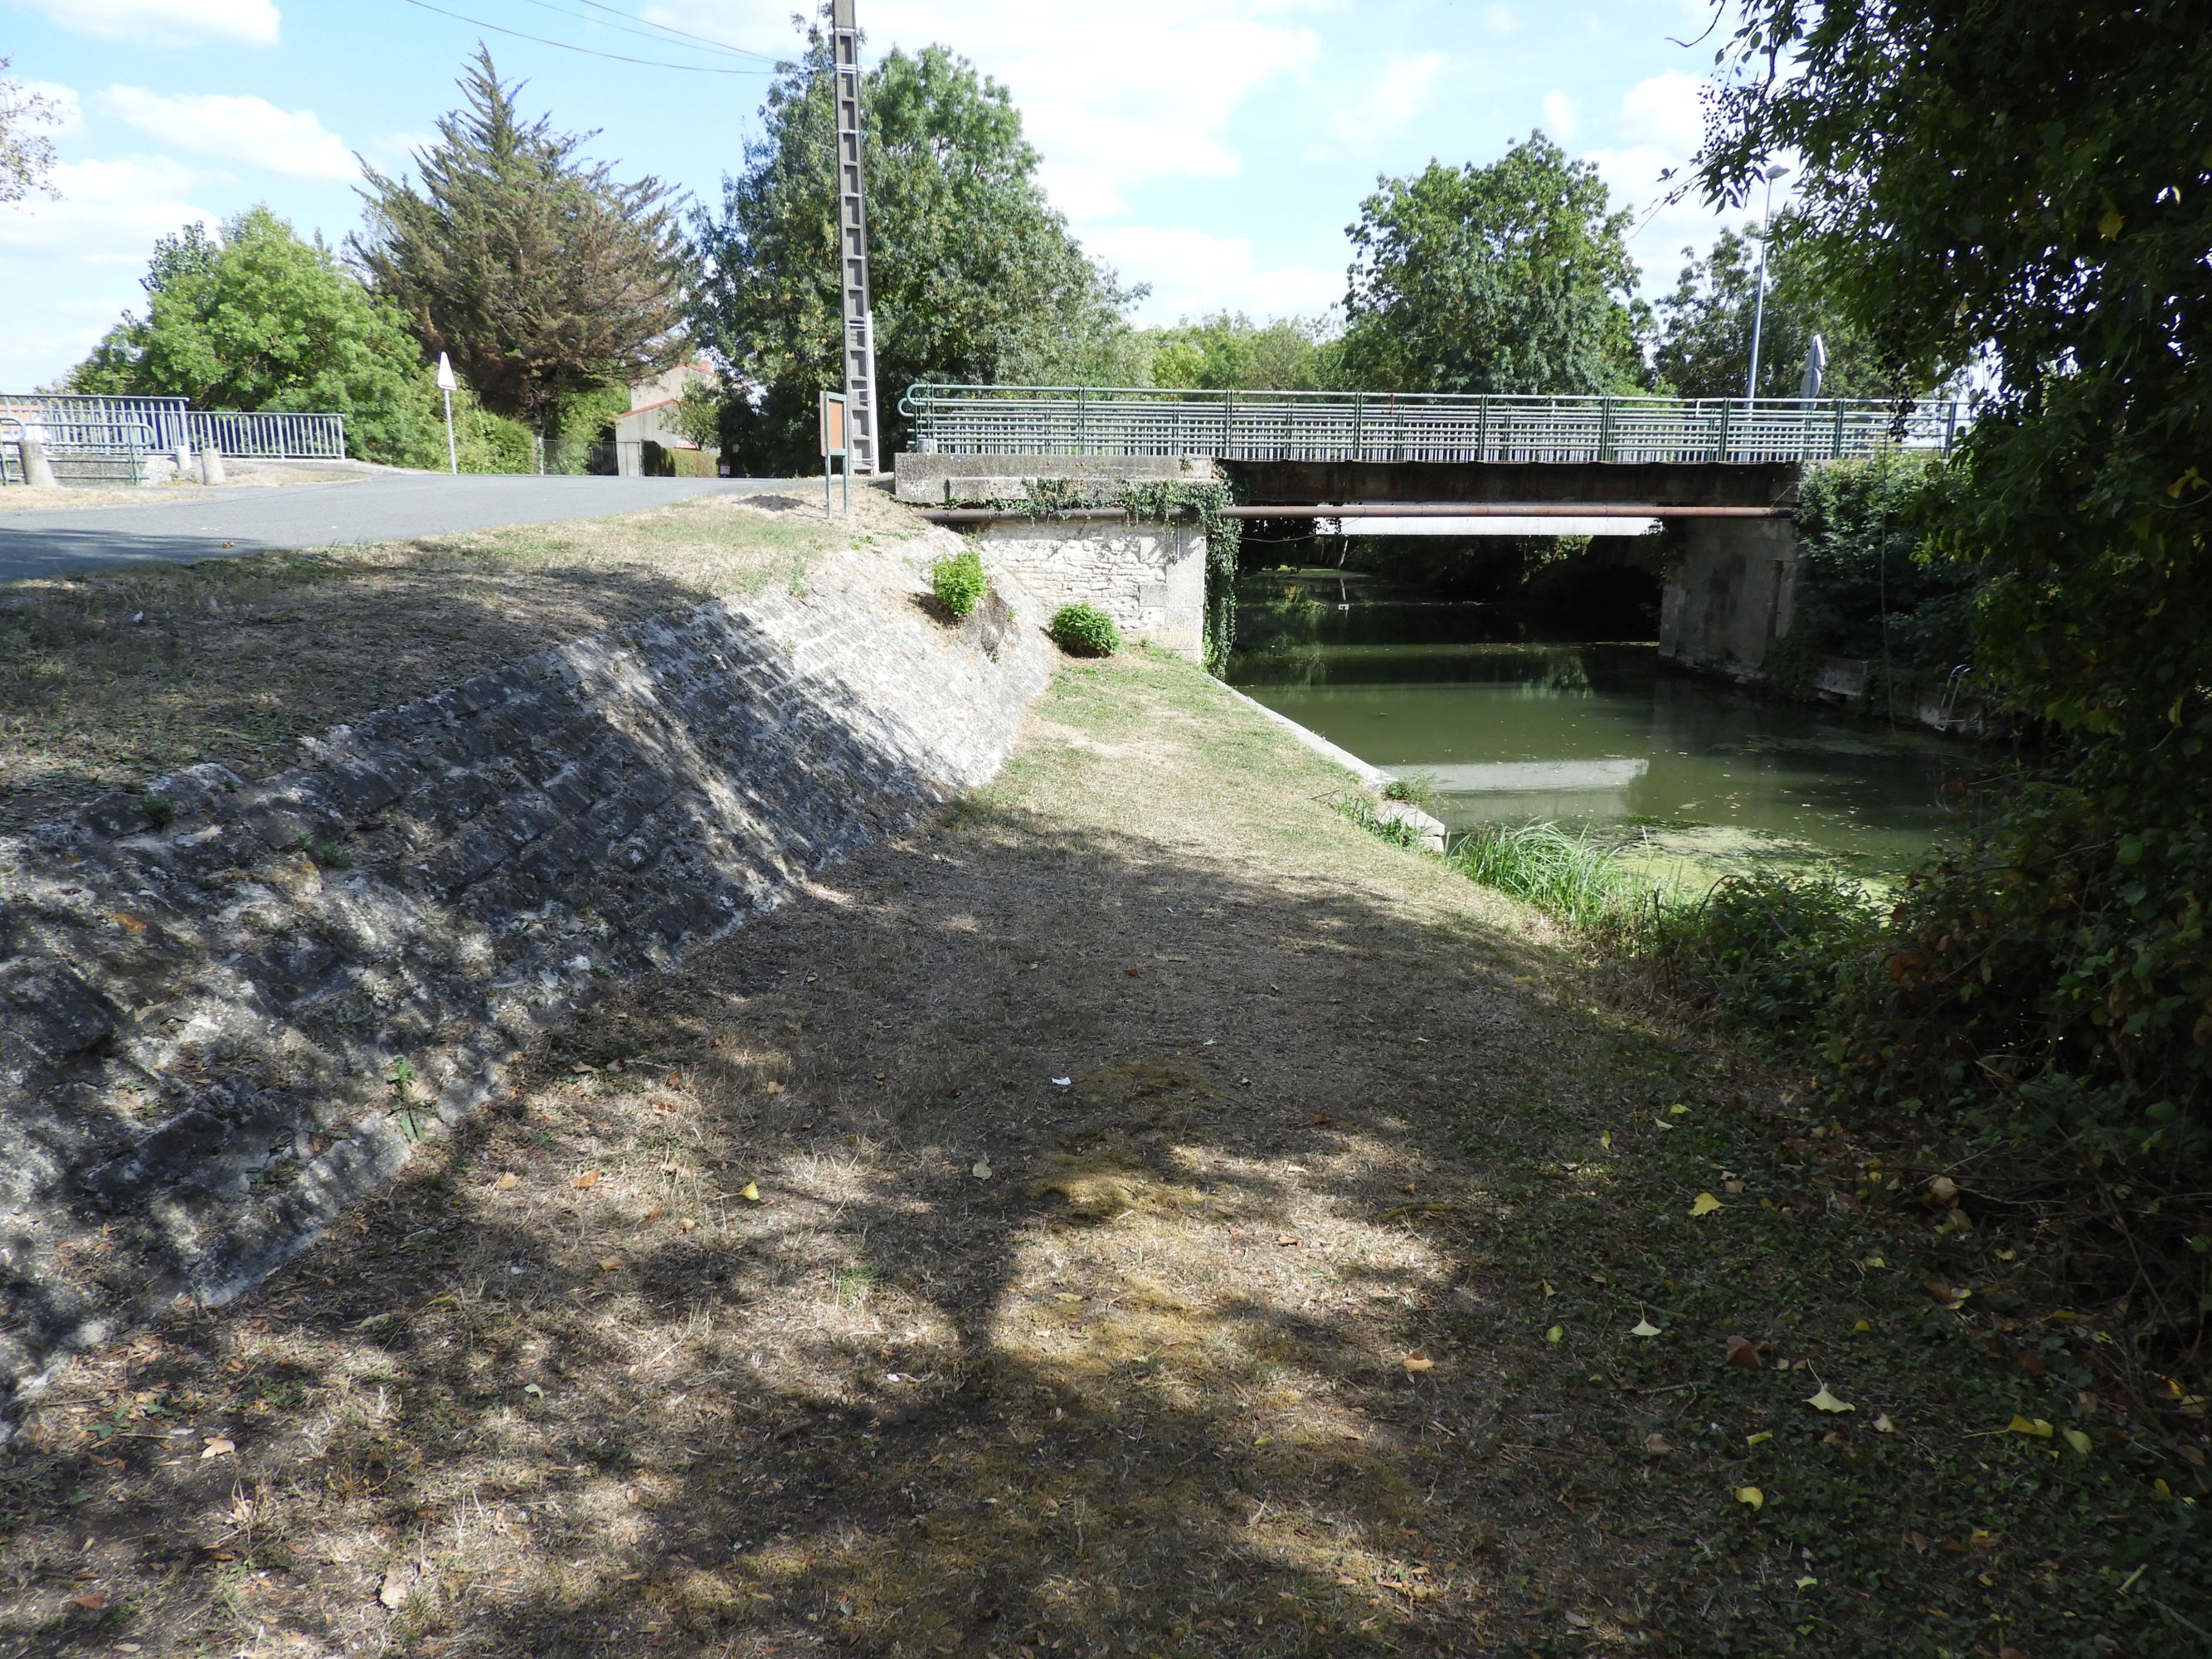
<point>1570,877</point>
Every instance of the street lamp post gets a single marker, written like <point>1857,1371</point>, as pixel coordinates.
<point>1758,304</point>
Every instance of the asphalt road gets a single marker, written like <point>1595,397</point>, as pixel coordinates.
<point>381,508</point>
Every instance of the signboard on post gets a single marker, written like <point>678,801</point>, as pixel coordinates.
<point>447,381</point>
<point>836,445</point>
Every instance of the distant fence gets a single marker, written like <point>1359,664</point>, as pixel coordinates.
<point>81,426</point>
<point>1374,426</point>
<point>81,450</point>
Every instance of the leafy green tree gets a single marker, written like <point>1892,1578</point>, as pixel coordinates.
<point>1703,344</point>
<point>27,158</point>
<point>2036,177</point>
<point>1510,277</point>
<point>974,275</point>
<point>1229,351</point>
<point>540,273</point>
<point>257,318</point>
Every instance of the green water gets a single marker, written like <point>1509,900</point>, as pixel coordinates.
<point>1513,721</point>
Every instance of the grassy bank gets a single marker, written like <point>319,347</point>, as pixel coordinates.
<point>1138,1216</point>
<point>110,678</point>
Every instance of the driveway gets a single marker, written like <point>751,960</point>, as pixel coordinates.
<point>382,508</point>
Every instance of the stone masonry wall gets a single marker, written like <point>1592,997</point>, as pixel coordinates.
<point>207,993</point>
<point>1150,578</point>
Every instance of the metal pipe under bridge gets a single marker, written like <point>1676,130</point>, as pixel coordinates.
<point>1403,427</point>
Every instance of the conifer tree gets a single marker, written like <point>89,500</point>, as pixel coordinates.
<point>536,269</point>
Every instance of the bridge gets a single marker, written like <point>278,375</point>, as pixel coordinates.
<point>1469,465</point>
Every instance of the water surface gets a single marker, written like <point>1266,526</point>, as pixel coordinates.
<point>1514,721</point>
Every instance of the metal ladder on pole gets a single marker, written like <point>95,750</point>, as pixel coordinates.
<point>853,245</point>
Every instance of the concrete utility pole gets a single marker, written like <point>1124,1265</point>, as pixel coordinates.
<point>853,245</point>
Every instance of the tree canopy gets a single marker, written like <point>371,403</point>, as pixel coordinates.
<point>1228,350</point>
<point>1702,346</point>
<point>974,276</point>
<point>2033,180</point>
<point>257,318</point>
<point>27,157</point>
<point>1510,277</point>
<point>540,273</point>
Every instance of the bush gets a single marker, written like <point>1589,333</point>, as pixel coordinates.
<point>958,582</point>
<point>1084,630</point>
<point>1772,952</point>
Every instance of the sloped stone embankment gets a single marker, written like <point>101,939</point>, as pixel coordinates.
<point>228,1009</point>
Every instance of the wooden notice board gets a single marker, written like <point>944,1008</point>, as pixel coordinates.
<point>832,424</point>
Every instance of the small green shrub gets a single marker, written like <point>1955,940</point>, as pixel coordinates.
<point>1770,952</point>
<point>1414,788</point>
<point>958,582</point>
<point>1361,810</point>
<point>1084,630</point>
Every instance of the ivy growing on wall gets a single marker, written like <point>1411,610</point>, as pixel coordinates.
<point>1156,501</point>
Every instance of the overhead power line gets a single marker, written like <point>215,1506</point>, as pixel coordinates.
<point>644,34</point>
<point>587,52</point>
<point>671,29</point>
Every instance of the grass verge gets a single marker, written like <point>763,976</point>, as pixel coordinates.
<point>1134,1216</point>
<point>110,678</point>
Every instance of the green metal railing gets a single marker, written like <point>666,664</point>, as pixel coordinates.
<point>1374,426</point>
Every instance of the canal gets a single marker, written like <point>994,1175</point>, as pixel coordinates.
<point>1510,715</point>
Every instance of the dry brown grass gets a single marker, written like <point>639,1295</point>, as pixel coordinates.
<point>793,1307</point>
<point>113,678</point>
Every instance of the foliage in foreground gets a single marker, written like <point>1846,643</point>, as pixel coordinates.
<point>2050,988</point>
<point>1084,630</point>
<point>958,582</point>
<point>540,273</point>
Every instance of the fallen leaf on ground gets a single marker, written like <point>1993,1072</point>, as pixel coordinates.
<point>1825,1402</point>
<point>393,1592</point>
<point>1751,1495</point>
<point>1703,1203</point>
<point>1656,1445</point>
<point>1605,1139</point>
<point>1286,1240</point>
<point>609,1264</point>
<point>750,1191</point>
<point>1558,1333</point>
<point>981,1170</point>
<point>1742,1351</point>
<point>221,1446</point>
<point>1943,1190</point>
<point>507,1183</point>
<point>2078,1440</point>
<point>2036,1427</point>
<point>1644,1328</point>
<point>1883,1426</point>
<point>588,1179</point>
<point>1758,1439</point>
<point>1419,1362</point>
<point>89,1603</point>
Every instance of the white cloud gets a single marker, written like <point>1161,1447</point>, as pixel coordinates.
<point>249,130</point>
<point>1667,110</point>
<point>1559,115</point>
<point>1405,88</point>
<point>1501,19</point>
<point>1193,273</point>
<point>164,22</point>
<point>1146,91</point>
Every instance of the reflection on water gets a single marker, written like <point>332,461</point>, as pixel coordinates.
<point>1511,724</point>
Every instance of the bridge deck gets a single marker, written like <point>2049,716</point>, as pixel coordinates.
<point>1321,425</point>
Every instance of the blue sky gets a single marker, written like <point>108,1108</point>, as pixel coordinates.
<point>1214,148</point>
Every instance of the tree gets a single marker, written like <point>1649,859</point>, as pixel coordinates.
<point>2033,178</point>
<point>1512,277</point>
<point>540,273</point>
<point>974,276</point>
<point>1703,345</point>
<point>27,158</point>
<point>257,318</point>
<point>1228,350</point>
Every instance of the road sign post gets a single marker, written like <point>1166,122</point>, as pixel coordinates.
<point>836,445</point>
<point>446,382</point>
